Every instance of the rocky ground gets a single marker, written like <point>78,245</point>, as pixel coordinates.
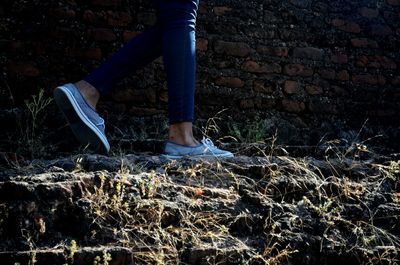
<point>264,208</point>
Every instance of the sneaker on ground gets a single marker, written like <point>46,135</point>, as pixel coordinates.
<point>206,148</point>
<point>85,122</point>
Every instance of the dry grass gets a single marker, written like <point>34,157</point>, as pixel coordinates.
<point>138,210</point>
<point>265,209</point>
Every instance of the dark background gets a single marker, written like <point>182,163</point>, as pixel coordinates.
<point>312,70</point>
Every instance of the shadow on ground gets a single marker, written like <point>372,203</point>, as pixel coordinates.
<point>144,209</point>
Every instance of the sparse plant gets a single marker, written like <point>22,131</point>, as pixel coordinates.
<point>32,260</point>
<point>211,125</point>
<point>71,250</point>
<point>148,186</point>
<point>103,260</point>
<point>31,139</point>
<point>32,246</point>
<point>256,130</point>
<point>394,168</point>
<point>273,255</point>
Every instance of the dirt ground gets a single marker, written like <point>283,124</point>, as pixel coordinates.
<point>250,209</point>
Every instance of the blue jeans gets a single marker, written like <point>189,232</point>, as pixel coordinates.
<point>173,37</point>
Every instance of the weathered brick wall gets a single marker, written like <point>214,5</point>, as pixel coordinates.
<point>310,67</point>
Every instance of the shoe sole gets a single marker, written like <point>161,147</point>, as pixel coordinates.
<point>83,129</point>
<point>202,156</point>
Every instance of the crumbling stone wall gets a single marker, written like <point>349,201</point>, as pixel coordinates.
<point>310,67</point>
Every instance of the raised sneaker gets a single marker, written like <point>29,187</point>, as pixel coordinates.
<point>85,122</point>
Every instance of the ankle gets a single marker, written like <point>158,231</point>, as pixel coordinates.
<point>182,133</point>
<point>183,140</point>
<point>89,92</point>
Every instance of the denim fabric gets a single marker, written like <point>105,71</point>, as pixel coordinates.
<point>173,37</point>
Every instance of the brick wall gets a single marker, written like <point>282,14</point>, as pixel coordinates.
<point>310,67</point>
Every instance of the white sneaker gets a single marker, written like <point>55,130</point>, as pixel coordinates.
<point>206,148</point>
<point>85,122</point>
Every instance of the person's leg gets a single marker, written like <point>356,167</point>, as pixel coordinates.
<point>174,38</point>
<point>178,20</point>
<point>135,54</point>
<point>78,101</point>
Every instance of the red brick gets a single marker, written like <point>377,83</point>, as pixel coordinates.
<point>221,10</point>
<point>111,18</point>
<point>384,62</point>
<point>260,86</point>
<point>61,12</point>
<point>347,26</point>
<point>293,105</point>
<point>254,67</point>
<point>102,34</point>
<point>240,49</point>
<point>265,103</point>
<point>308,53</point>
<point>376,62</point>
<point>369,79</point>
<point>329,74</point>
<point>339,58</point>
<point>202,8</point>
<point>291,87</point>
<point>229,81</point>
<point>314,90</point>
<point>88,53</point>
<point>62,33</point>
<point>340,91</point>
<point>224,64</point>
<point>22,68</point>
<point>343,75</point>
<point>393,2</point>
<point>364,43</point>
<point>274,51</point>
<point>90,16</point>
<point>146,18</point>
<point>297,70</point>
<point>368,12</point>
<point>118,19</point>
<point>380,30</point>
<point>202,44</point>
<point>128,35</point>
<point>362,61</point>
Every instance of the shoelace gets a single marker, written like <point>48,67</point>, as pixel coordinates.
<point>208,143</point>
